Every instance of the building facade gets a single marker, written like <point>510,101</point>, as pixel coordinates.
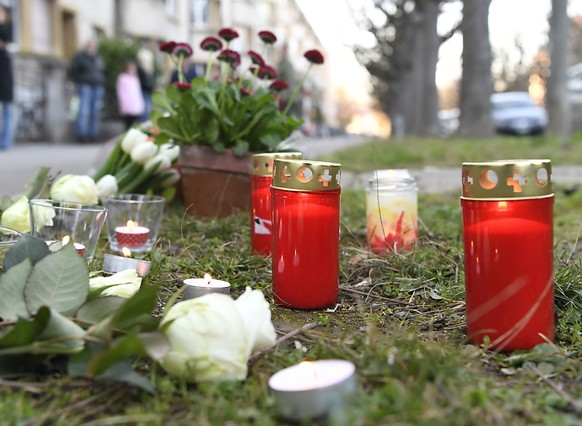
<point>49,32</point>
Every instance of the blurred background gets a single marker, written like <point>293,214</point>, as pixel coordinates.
<point>393,68</point>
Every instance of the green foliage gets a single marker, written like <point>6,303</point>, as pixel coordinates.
<point>40,294</point>
<point>400,320</point>
<point>216,114</point>
<point>422,152</point>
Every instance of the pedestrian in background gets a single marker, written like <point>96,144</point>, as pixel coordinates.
<point>129,94</point>
<point>6,80</point>
<point>189,70</point>
<point>145,72</point>
<point>87,71</point>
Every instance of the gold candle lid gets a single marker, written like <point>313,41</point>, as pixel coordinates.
<point>306,175</point>
<point>262,164</point>
<point>507,179</point>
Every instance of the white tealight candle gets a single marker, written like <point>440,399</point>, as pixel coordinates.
<point>311,390</point>
<point>132,235</point>
<point>113,264</point>
<point>55,245</point>
<point>196,287</point>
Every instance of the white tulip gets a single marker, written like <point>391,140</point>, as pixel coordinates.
<point>142,153</point>
<point>164,163</point>
<point>122,284</point>
<point>75,189</point>
<point>173,176</point>
<point>133,138</point>
<point>17,216</point>
<point>207,340</point>
<point>107,186</point>
<point>256,315</point>
<point>170,150</point>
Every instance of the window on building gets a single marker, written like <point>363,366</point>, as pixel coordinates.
<point>171,7</point>
<point>199,12</point>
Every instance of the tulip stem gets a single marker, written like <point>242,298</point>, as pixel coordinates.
<point>296,91</point>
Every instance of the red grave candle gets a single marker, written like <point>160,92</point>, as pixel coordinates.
<point>261,170</point>
<point>306,221</point>
<point>508,241</point>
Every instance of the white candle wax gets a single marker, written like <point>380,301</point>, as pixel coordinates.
<point>132,230</point>
<point>313,389</point>
<point>196,287</point>
<point>55,245</point>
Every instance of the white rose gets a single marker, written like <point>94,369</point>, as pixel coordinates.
<point>170,150</point>
<point>122,284</point>
<point>207,340</point>
<point>163,162</point>
<point>133,138</point>
<point>17,216</point>
<point>256,315</point>
<point>142,153</point>
<point>107,186</point>
<point>75,189</point>
<point>172,177</point>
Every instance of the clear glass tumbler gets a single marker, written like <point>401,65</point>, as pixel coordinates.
<point>133,221</point>
<point>66,222</point>
<point>8,237</point>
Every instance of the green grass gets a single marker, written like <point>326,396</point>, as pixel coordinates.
<point>420,152</point>
<point>413,363</point>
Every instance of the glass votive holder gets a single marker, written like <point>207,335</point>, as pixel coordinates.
<point>66,222</point>
<point>8,237</point>
<point>133,221</point>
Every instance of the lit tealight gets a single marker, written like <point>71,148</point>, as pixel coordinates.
<point>196,287</point>
<point>313,389</point>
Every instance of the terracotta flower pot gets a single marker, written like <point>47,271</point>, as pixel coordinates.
<point>214,184</point>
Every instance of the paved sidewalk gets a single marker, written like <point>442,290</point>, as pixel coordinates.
<point>18,164</point>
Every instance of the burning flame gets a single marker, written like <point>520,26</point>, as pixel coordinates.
<point>310,372</point>
<point>126,252</point>
<point>66,240</point>
<point>207,278</point>
<point>132,224</point>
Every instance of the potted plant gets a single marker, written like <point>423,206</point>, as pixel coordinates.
<point>219,119</point>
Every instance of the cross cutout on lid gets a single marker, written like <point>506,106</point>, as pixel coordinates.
<point>467,182</point>
<point>285,174</point>
<point>325,178</point>
<point>517,181</point>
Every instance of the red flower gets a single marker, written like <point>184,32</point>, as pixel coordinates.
<point>183,49</point>
<point>278,85</point>
<point>245,92</point>
<point>267,72</point>
<point>268,37</point>
<point>211,44</point>
<point>228,34</point>
<point>229,56</point>
<point>314,56</point>
<point>182,86</point>
<point>167,46</point>
<point>256,58</point>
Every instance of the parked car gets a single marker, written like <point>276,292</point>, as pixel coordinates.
<point>515,113</point>
<point>574,84</point>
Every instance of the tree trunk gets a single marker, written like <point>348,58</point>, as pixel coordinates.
<point>476,81</point>
<point>557,97</point>
<point>428,51</point>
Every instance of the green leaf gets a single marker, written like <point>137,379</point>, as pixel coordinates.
<point>135,313</point>
<point>123,372</point>
<point>12,284</point>
<point>25,331</point>
<point>60,281</point>
<point>27,247</point>
<point>241,148</point>
<point>128,347</point>
<point>99,308</point>
<point>60,336</point>
<point>38,185</point>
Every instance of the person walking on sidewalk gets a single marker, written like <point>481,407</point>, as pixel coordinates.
<point>6,80</point>
<point>129,95</point>
<point>87,71</point>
